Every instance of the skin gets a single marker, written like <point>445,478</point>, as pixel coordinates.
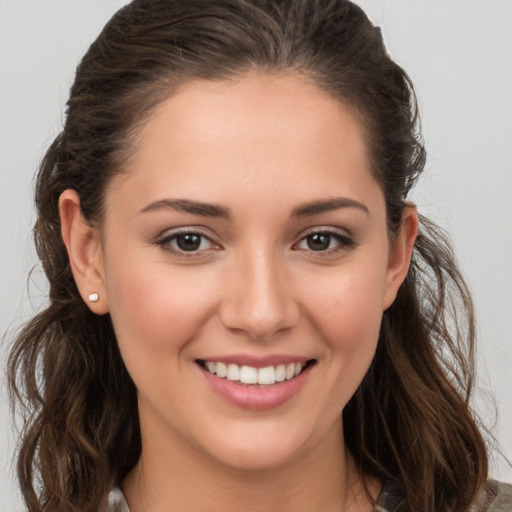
<point>261,147</point>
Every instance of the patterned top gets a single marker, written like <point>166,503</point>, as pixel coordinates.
<point>496,497</point>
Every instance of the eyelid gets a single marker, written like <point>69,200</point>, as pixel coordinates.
<point>163,240</point>
<point>344,238</point>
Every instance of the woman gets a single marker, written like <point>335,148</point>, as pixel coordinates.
<point>246,312</point>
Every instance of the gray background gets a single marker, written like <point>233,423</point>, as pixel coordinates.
<point>459,55</point>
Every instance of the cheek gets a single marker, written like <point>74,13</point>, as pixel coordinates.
<point>352,332</point>
<point>347,312</point>
<point>348,308</point>
<point>157,307</point>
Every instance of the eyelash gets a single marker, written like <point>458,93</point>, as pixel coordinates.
<point>165,243</point>
<point>343,242</point>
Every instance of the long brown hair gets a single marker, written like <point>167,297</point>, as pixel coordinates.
<point>409,422</point>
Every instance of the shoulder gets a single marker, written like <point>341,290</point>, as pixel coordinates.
<point>116,501</point>
<point>496,497</point>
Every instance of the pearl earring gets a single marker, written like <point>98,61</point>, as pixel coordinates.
<point>94,297</point>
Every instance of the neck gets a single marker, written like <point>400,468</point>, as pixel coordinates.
<point>171,473</point>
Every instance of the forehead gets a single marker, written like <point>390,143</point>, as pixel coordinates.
<point>256,134</point>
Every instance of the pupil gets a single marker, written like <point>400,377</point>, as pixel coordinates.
<point>319,241</point>
<point>190,242</point>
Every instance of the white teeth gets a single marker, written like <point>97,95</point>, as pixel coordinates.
<point>222,370</point>
<point>248,375</point>
<point>251,375</point>
<point>233,372</point>
<point>280,373</point>
<point>267,375</point>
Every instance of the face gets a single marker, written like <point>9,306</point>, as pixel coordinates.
<point>247,263</point>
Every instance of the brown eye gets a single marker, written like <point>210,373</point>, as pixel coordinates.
<point>328,242</point>
<point>189,242</point>
<point>319,241</point>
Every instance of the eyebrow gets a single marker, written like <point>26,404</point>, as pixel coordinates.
<point>189,206</point>
<point>335,203</point>
<point>214,210</point>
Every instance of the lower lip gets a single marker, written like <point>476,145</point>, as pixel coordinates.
<point>255,398</point>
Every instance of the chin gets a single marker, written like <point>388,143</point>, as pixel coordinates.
<point>263,448</point>
<point>254,458</point>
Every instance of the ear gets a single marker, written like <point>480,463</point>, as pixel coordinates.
<point>85,253</point>
<point>400,254</point>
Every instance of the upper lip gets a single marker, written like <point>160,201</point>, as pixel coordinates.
<point>256,361</point>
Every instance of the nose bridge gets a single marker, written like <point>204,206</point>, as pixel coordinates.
<point>259,297</point>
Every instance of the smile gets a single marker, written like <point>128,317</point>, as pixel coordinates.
<point>256,376</point>
<point>256,384</point>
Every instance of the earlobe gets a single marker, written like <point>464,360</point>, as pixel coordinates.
<point>401,253</point>
<point>84,249</point>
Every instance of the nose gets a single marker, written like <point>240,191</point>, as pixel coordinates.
<point>258,298</point>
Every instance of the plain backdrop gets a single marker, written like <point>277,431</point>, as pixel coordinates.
<point>459,55</point>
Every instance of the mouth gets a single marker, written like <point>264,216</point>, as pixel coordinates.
<point>251,376</point>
